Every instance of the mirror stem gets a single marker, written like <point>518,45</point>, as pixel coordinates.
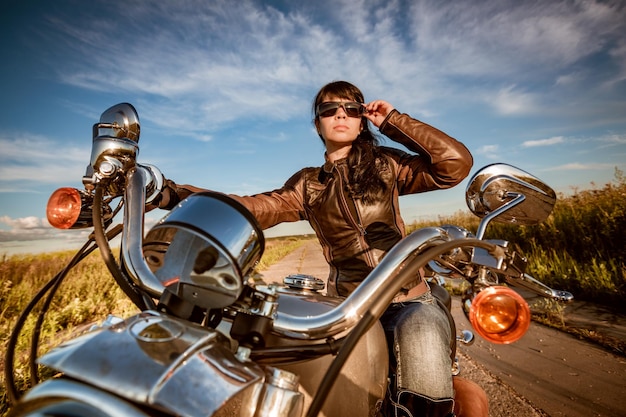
<point>517,199</point>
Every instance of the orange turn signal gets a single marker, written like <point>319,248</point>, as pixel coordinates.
<point>64,207</point>
<point>499,315</point>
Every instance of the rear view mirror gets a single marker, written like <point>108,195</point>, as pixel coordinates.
<point>120,121</point>
<point>509,195</point>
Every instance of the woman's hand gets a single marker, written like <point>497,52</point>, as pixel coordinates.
<point>377,111</point>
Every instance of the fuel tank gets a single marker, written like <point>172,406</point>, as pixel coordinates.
<point>362,384</point>
<point>162,363</point>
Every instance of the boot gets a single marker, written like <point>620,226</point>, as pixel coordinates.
<point>411,404</point>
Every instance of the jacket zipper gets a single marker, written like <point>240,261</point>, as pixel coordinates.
<point>358,223</point>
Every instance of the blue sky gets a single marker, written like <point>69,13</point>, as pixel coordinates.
<point>224,88</point>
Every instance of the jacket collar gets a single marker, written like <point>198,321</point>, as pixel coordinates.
<point>329,166</point>
<point>327,169</point>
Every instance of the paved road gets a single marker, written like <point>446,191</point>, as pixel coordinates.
<point>547,372</point>
<point>556,372</point>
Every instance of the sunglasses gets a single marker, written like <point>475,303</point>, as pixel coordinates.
<point>329,108</point>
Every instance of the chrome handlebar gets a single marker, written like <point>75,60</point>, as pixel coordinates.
<point>137,181</point>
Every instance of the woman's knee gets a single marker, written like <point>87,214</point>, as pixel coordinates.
<point>425,320</point>
<point>470,400</point>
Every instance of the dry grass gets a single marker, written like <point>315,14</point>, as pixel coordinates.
<point>87,295</point>
<point>580,248</point>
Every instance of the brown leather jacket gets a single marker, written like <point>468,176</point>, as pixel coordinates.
<point>354,236</point>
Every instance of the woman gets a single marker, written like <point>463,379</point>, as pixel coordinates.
<point>352,204</point>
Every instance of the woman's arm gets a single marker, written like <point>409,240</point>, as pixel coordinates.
<point>442,161</point>
<point>269,208</point>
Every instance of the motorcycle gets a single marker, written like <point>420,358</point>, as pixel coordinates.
<point>210,340</point>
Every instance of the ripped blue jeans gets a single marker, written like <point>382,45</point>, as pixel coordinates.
<point>419,333</point>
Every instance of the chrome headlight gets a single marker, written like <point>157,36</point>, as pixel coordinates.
<point>203,249</point>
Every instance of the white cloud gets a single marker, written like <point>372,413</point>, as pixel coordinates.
<point>508,37</point>
<point>568,79</point>
<point>614,139</point>
<point>489,151</point>
<point>544,142</point>
<point>577,166</point>
<point>511,101</point>
<point>210,64</point>
<point>35,158</point>
<point>618,53</point>
<point>27,223</point>
<point>29,228</point>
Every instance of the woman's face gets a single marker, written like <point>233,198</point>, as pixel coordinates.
<point>338,130</point>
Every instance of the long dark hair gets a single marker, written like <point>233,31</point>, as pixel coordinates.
<point>365,161</point>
